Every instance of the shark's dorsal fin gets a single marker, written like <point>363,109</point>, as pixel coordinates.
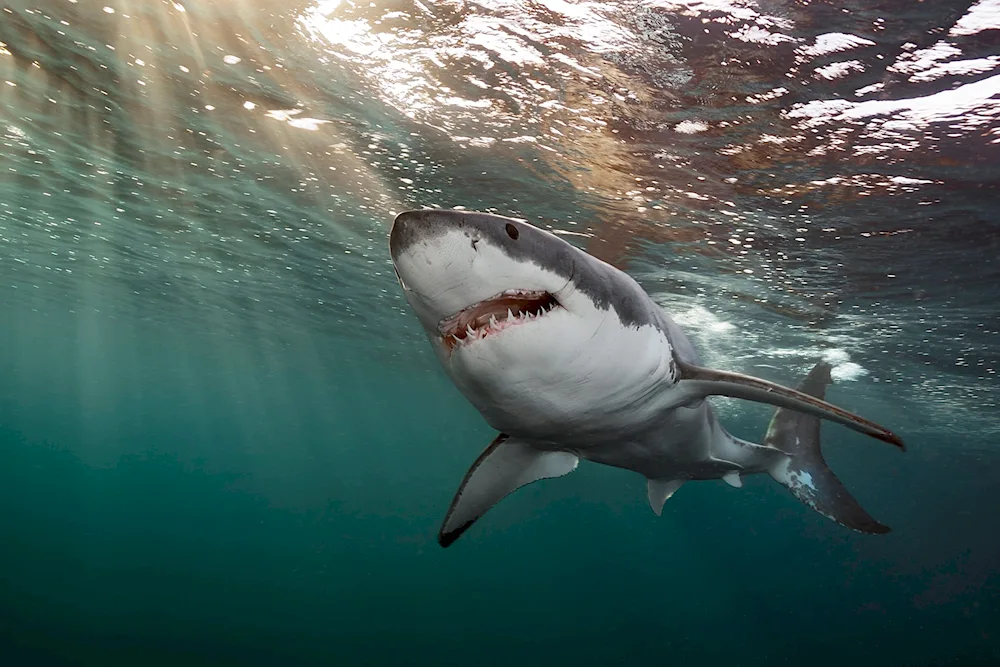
<point>503,467</point>
<point>659,492</point>
<point>696,381</point>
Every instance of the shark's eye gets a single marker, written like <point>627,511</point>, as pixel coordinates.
<point>511,231</point>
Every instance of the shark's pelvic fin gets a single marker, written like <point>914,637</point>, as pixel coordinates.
<point>697,381</point>
<point>659,492</point>
<point>503,467</point>
<point>804,472</point>
<point>733,479</point>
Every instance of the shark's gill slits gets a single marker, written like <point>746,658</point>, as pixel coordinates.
<point>495,314</point>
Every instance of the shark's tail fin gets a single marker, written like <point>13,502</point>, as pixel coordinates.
<point>804,472</point>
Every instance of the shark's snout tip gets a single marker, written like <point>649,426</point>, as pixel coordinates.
<point>401,233</point>
<point>403,216</point>
<point>408,227</point>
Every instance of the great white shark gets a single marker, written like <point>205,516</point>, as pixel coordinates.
<point>568,358</point>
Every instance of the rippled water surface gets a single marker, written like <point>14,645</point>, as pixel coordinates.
<point>225,439</point>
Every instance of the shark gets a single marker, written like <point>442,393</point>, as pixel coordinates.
<point>568,358</point>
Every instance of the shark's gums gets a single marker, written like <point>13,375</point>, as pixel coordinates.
<point>569,358</point>
<point>507,309</point>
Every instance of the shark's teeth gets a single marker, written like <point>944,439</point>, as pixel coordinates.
<point>481,323</point>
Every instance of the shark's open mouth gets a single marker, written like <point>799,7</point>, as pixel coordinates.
<point>495,314</point>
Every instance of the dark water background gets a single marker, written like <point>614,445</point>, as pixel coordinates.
<point>223,439</point>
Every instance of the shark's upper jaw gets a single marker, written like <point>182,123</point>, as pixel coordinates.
<point>502,311</point>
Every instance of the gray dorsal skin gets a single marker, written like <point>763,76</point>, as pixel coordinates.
<point>569,358</point>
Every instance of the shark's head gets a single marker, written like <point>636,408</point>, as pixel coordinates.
<point>530,328</point>
<point>472,276</point>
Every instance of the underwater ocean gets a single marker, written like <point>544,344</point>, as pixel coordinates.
<point>226,440</point>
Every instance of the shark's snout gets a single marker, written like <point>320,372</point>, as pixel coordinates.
<point>428,247</point>
<point>406,230</point>
<point>412,227</point>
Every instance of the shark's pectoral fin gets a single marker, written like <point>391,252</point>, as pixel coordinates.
<point>659,492</point>
<point>697,381</point>
<point>505,466</point>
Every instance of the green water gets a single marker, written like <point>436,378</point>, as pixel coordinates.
<point>209,502</point>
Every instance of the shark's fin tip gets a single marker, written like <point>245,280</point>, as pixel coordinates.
<point>503,467</point>
<point>659,491</point>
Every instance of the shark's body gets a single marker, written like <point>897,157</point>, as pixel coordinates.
<point>569,358</point>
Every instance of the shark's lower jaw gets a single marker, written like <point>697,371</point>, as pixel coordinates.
<point>507,309</point>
